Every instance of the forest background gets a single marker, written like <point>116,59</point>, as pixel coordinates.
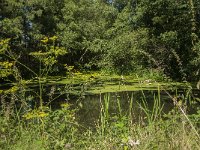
<point>57,55</point>
<point>117,36</point>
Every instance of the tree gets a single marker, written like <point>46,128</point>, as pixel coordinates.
<point>82,30</point>
<point>25,23</point>
<point>170,34</point>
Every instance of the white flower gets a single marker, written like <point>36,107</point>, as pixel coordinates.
<point>133,143</point>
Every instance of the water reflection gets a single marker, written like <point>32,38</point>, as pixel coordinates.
<point>90,106</point>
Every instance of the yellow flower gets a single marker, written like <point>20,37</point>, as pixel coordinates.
<point>78,73</point>
<point>35,114</point>
<point>65,105</point>
<point>45,40</point>
<point>29,115</point>
<point>11,90</point>
<point>42,114</point>
<point>53,38</point>
<point>2,42</point>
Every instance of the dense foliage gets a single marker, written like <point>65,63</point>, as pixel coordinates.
<point>53,52</point>
<point>119,36</point>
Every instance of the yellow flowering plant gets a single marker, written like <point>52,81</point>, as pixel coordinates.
<point>47,56</point>
<point>35,114</point>
<point>49,53</point>
<point>6,68</point>
<point>5,65</point>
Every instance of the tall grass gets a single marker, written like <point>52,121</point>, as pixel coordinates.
<point>156,130</point>
<point>59,129</point>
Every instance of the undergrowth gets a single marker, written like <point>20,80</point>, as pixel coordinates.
<point>24,125</point>
<point>47,129</point>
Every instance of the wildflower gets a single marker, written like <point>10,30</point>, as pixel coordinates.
<point>133,143</point>
<point>2,42</point>
<point>69,68</point>
<point>45,40</point>
<point>35,114</point>
<point>11,90</point>
<point>42,114</point>
<point>53,38</point>
<point>65,105</point>
<point>78,73</point>
<point>68,145</point>
<point>28,115</point>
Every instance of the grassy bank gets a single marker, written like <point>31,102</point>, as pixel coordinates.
<point>43,128</point>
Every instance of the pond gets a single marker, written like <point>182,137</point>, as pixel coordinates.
<point>120,102</point>
<point>89,97</point>
<point>91,101</point>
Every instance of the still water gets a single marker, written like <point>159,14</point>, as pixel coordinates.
<point>90,106</point>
